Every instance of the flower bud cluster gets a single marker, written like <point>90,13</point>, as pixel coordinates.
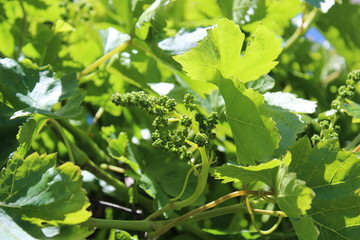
<point>328,127</point>
<point>172,130</point>
<point>156,106</point>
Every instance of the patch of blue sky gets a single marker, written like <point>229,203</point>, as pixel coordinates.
<point>313,34</point>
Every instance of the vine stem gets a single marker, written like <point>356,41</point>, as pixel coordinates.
<point>184,186</point>
<point>65,138</point>
<point>301,29</point>
<point>200,187</point>
<point>105,57</point>
<point>24,26</point>
<point>151,225</point>
<point>250,210</point>
<point>96,118</point>
<point>209,205</point>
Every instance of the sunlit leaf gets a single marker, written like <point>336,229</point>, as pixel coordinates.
<point>31,90</point>
<point>353,109</point>
<point>249,121</point>
<point>38,191</point>
<point>333,174</point>
<point>220,52</point>
<point>264,172</point>
<point>290,102</point>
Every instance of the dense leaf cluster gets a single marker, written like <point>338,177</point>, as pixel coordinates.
<point>245,83</point>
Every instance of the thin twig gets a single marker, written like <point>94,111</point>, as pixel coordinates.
<point>302,28</point>
<point>65,138</point>
<point>203,208</point>
<point>105,57</point>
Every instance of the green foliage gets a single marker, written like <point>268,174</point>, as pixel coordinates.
<point>34,190</point>
<point>221,53</point>
<point>147,119</point>
<point>334,179</point>
<point>31,90</point>
<point>249,123</point>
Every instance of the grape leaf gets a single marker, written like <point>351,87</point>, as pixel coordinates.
<point>304,228</point>
<point>292,195</point>
<point>10,230</point>
<point>13,228</point>
<point>30,90</point>
<point>151,13</point>
<point>8,130</point>
<point>340,27</point>
<point>39,192</point>
<point>289,125</point>
<point>255,134</point>
<point>265,172</point>
<point>290,102</point>
<point>259,56</point>
<point>275,15</point>
<point>353,109</point>
<point>333,174</point>
<point>220,52</point>
<point>28,131</point>
<point>263,84</point>
<point>240,9</point>
<point>154,178</point>
<point>123,10</point>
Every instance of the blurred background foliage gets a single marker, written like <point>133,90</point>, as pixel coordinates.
<point>320,47</point>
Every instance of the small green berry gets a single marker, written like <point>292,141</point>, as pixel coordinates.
<point>201,139</point>
<point>354,75</point>
<point>189,102</point>
<point>185,120</point>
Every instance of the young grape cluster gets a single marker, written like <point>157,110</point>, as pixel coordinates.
<point>173,132</point>
<point>327,126</point>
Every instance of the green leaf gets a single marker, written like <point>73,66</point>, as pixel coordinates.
<point>13,228</point>
<point>289,125</point>
<point>30,90</point>
<point>290,102</point>
<point>344,39</point>
<point>62,26</point>
<point>275,15</point>
<point>333,174</point>
<point>154,178</point>
<point>27,133</point>
<point>123,9</point>
<point>292,195</point>
<point>10,230</point>
<point>220,52</point>
<point>305,228</point>
<point>8,130</point>
<point>122,235</point>
<point>38,191</point>
<point>151,13</point>
<point>265,172</point>
<point>262,85</point>
<point>72,107</point>
<point>7,41</point>
<point>240,9</point>
<point>259,56</point>
<point>255,134</point>
<point>353,109</point>
<point>117,148</point>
